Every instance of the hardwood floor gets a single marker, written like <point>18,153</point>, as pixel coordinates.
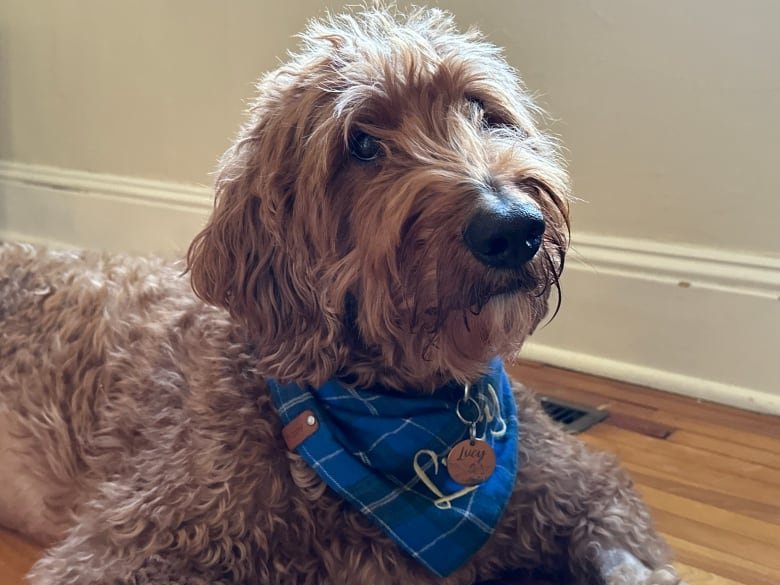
<point>710,473</point>
<point>16,558</point>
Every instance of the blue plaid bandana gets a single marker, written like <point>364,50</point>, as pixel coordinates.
<point>385,453</point>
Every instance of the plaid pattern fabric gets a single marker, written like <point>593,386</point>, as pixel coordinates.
<point>364,450</point>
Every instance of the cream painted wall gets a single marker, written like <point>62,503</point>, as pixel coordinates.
<point>144,88</point>
<point>669,109</point>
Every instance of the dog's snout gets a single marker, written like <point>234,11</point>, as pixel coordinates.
<point>505,235</point>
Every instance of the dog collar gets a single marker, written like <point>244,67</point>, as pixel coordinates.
<point>386,453</point>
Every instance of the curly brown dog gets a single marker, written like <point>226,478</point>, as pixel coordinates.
<point>389,220</point>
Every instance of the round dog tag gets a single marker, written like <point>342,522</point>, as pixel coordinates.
<point>471,462</point>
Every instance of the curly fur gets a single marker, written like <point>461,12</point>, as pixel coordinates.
<point>139,438</point>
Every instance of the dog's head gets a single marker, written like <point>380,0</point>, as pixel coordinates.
<point>390,213</point>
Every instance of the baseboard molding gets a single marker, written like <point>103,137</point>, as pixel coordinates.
<point>12,236</point>
<point>69,208</point>
<point>698,321</point>
<point>693,387</point>
<point>682,265</point>
<point>138,190</point>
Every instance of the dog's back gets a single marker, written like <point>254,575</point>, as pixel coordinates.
<point>75,328</point>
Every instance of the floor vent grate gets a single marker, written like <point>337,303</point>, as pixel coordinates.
<point>575,418</point>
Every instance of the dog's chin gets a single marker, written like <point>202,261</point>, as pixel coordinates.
<point>514,287</point>
<point>468,340</point>
<point>505,316</point>
<point>506,287</point>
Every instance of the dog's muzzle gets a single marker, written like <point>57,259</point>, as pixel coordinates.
<point>505,234</point>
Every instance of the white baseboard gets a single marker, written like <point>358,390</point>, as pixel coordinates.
<point>682,265</point>
<point>64,208</point>
<point>698,321</point>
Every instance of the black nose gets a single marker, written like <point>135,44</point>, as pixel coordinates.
<point>505,235</point>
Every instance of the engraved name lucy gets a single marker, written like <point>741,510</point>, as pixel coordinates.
<point>468,453</point>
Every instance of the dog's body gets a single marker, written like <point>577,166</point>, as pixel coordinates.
<point>356,237</point>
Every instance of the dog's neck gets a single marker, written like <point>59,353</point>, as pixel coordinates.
<point>367,367</point>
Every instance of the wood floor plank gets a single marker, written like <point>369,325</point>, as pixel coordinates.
<point>709,515</point>
<point>725,446</point>
<point>17,556</point>
<point>642,426</point>
<point>555,389</point>
<point>689,472</point>
<point>601,403</point>
<point>697,576</point>
<point>743,504</point>
<point>684,453</point>
<point>749,438</point>
<point>721,563</point>
<point>720,539</point>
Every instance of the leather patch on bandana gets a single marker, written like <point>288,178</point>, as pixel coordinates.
<point>300,428</point>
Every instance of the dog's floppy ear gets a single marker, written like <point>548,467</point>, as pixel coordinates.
<point>228,257</point>
<point>261,253</point>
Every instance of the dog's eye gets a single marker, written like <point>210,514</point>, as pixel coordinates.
<point>484,116</point>
<point>364,146</point>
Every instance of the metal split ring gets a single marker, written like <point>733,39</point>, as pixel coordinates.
<point>477,410</point>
